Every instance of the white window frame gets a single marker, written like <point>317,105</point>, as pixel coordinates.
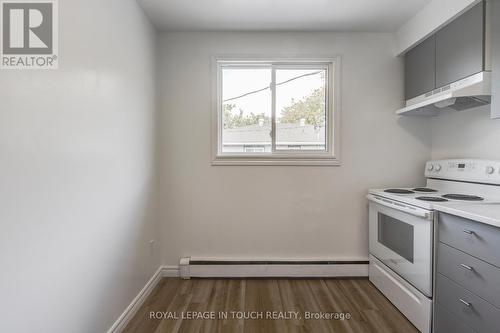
<point>331,156</point>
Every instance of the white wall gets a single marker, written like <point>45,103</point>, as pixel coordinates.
<point>282,212</point>
<point>77,174</point>
<point>466,134</point>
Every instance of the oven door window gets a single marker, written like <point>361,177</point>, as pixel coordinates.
<point>396,235</point>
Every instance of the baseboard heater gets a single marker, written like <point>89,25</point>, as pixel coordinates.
<point>202,268</point>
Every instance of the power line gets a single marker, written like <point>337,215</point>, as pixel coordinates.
<point>277,84</point>
<point>246,94</point>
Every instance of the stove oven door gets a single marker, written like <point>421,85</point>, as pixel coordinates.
<point>400,236</point>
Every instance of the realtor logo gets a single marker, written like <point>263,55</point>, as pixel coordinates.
<point>29,38</point>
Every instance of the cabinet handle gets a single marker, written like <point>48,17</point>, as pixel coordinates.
<point>467,304</point>
<point>468,232</point>
<point>466,267</point>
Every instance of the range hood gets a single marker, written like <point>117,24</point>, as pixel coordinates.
<point>467,93</point>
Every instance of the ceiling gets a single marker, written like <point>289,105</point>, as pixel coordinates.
<point>281,15</point>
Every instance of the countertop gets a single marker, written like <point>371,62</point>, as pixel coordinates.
<point>488,213</point>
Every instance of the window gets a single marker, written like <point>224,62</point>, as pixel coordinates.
<point>275,112</point>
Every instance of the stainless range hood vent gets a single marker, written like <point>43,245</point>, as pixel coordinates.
<point>464,103</point>
<point>467,93</point>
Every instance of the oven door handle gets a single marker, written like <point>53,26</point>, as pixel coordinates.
<point>422,213</point>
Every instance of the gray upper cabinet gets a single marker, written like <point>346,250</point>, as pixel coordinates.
<point>460,47</point>
<point>420,67</point>
<point>455,52</point>
<point>495,59</point>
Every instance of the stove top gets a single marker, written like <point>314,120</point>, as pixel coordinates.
<point>441,198</point>
<point>451,183</point>
<point>442,193</point>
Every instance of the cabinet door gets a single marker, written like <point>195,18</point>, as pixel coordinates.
<point>460,47</point>
<point>420,68</point>
<point>495,57</point>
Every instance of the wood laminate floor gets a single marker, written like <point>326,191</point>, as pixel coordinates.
<point>357,299</point>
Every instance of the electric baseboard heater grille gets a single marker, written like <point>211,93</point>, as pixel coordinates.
<point>213,268</point>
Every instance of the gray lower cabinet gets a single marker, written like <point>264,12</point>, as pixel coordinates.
<point>477,239</point>
<point>467,281</point>
<point>420,68</point>
<point>446,322</point>
<point>460,47</point>
<point>470,309</point>
<point>481,278</point>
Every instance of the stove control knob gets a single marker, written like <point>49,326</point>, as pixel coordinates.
<point>430,167</point>
<point>490,170</point>
<point>438,167</point>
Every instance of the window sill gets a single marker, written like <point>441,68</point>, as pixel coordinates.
<point>270,161</point>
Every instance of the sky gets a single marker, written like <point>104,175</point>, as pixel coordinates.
<point>236,82</point>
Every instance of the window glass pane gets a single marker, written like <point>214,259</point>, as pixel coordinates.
<point>301,109</point>
<point>246,106</point>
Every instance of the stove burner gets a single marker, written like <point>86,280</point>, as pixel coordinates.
<point>398,191</point>
<point>464,197</point>
<point>424,189</point>
<point>434,199</point>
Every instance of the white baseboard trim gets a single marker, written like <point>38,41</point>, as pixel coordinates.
<point>131,310</point>
<point>170,271</point>
<point>235,269</point>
